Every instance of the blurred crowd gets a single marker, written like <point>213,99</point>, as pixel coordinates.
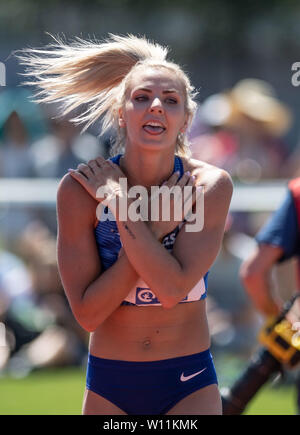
<point>40,329</point>
<point>242,130</point>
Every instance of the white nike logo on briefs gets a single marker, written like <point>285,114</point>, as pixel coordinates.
<point>186,378</point>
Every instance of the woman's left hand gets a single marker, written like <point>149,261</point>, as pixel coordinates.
<point>98,173</point>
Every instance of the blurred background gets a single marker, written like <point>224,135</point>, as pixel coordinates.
<point>239,56</point>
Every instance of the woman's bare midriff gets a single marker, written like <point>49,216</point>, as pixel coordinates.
<point>134,333</point>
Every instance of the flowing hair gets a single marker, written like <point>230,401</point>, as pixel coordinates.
<point>94,76</point>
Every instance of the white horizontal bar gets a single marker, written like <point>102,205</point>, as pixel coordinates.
<point>264,196</point>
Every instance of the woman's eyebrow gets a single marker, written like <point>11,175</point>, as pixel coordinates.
<point>167,91</point>
<point>171,91</point>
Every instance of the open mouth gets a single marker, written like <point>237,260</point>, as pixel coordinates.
<point>154,128</point>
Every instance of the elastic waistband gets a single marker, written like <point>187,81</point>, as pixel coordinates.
<point>112,363</point>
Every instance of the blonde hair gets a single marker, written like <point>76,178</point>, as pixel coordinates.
<point>96,75</point>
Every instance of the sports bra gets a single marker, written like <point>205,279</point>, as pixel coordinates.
<point>109,244</point>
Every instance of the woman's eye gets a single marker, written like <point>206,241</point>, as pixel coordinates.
<point>172,101</point>
<point>141,98</point>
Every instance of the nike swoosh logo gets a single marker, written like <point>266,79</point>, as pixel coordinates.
<point>186,378</point>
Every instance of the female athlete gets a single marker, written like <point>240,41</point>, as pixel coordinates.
<point>138,286</point>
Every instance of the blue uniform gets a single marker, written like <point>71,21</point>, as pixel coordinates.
<point>151,387</point>
<point>282,229</point>
<point>109,245</point>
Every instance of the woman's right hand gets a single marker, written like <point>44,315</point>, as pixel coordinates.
<point>98,173</point>
<point>172,208</point>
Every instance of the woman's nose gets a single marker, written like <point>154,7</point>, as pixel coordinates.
<point>156,106</point>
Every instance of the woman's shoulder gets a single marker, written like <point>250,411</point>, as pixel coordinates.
<point>68,186</point>
<point>211,177</point>
<point>73,197</point>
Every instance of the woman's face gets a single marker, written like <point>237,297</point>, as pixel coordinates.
<point>154,110</point>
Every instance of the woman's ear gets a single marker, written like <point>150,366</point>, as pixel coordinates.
<point>184,127</point>
<point>122,123</point>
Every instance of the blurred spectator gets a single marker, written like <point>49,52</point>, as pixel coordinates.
<point>233,321</point>
<point>15,157</point>
<point>19,100</point>
<point>42,330</point>
<point>16,160</point>
<point>291,168</point>
<point>15,288</point>
<point>242,131</point>
<point>63,148</point>
<point>278,241</point>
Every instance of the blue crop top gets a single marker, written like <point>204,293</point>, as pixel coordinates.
<point>109,244</point>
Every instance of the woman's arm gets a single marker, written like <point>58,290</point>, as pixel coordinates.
<point>171,277</point>
<point>92,295</point>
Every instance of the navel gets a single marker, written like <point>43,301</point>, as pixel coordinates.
<point>147,343</point>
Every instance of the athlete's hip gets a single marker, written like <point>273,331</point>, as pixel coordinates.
<point>151,387</point>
